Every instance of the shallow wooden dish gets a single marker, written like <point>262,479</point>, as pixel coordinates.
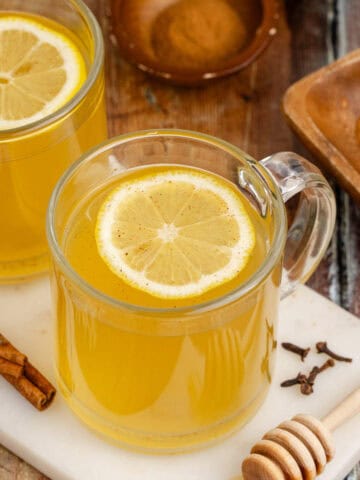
<point>324,110</point>
<point>133,20</point>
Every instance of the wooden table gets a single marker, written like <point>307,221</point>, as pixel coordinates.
<point>245,110</point>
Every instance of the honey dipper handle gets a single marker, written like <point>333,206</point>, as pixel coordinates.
<point>345,410</point>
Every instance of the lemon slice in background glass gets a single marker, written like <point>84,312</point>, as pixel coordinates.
<point>174,234</point>
<point>40,70</point>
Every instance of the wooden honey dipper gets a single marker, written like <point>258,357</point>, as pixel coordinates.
<point>298,449</point>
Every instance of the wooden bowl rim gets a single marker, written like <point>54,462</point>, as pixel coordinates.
<point>261,39</point>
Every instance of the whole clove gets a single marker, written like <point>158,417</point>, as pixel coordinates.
<point>317,370</point>
<point>306,388</point>
<point>307,382</point>
<point>303,352</point>
<point>299,379</point>
<point>322,347</point>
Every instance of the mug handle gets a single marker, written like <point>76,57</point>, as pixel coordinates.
<point>313,221</point>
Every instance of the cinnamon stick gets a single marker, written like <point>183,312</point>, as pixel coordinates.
<point>28,381</point>
<point>35,377</point>
<point>10,368</point>
<point>28,390</point>
<point>9,352</point>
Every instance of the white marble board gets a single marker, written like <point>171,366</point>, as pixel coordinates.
<point>57,443</point>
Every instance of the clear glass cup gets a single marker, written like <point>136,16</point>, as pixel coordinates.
<point>163,379</point>
<point>33,157</point>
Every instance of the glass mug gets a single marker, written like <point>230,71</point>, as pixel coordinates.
<point>167,379</point>
<point>33,157</point>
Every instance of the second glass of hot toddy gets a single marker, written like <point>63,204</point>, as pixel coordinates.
<point>52,111</point>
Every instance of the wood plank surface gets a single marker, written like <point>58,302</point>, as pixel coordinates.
<point>245,110</point>
<point>348,38</point>
<point>12,468</point>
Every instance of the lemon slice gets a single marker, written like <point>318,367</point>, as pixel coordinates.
<point>40,70</point>
<point>174,234</point>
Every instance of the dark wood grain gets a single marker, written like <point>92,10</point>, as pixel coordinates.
<point>347,39</point>
<point>245,110</point>
<point>310,26</point>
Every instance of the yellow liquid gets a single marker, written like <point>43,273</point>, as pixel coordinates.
<point>32,162</point>
<point>171,380</point>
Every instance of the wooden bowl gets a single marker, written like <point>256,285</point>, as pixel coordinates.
<point>133,22</point>
<point>324,110</point>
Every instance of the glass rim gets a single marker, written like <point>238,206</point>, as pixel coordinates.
<point>93,74</point>
<point>253,281</point>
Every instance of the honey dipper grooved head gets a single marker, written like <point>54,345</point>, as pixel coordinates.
<point>310,440</point>
<point>280,456</point>
<point>257,467</point>
<point>322,433</point>
<point>296,449</point>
